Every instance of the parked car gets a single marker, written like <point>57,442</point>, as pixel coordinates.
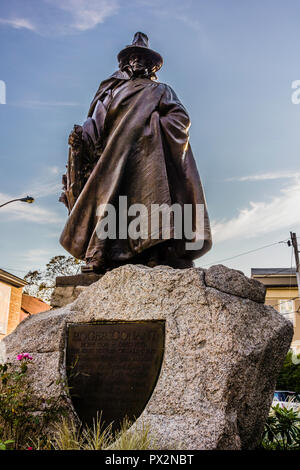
<point>286,399</point>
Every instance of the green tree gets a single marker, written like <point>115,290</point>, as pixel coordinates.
<point>42,282</point>
<point>289,377</point>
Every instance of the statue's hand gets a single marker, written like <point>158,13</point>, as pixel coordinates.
<point>75,138</point>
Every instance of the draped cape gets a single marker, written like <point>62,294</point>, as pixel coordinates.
<point>145,155</point>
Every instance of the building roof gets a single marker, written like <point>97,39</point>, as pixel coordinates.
<point>274,271</point>
<point>32,305</point>
<point>11,279</point>
<point>276,277</point>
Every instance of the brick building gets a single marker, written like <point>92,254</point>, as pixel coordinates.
<point>14,305</point>
<point>11,288</point>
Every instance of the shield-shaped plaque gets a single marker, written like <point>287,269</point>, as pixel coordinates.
<point>113,367</point>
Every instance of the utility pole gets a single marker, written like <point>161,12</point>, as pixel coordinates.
<point>296,251</point>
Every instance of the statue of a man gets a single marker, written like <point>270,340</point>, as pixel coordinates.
<point>134,148</point>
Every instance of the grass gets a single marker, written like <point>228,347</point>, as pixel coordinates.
<point>67,436</point>
<point>137,438</point>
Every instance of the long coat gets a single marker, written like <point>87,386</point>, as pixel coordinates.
<point>145,155</point>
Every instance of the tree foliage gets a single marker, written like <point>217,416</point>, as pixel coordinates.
<point>42,282</point>
<point>289,377</point>
<point>24,416</point>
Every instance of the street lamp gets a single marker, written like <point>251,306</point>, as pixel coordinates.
<point>28,199</point>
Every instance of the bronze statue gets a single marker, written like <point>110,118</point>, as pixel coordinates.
<point>134,143</point>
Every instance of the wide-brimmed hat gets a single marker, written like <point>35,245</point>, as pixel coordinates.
<point>140,44</point>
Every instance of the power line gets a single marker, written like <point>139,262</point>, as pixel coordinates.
<point>246,253</point>
<point>219,261</point>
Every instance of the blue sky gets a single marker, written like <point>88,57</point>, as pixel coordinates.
<point>231,63</point>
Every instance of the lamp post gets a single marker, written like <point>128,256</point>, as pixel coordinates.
<point>28,199</point>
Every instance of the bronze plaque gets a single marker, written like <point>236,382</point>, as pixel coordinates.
<point>113,367</point>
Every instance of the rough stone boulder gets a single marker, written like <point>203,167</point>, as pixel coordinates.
<point>235,282</point>
<point>223,349</point>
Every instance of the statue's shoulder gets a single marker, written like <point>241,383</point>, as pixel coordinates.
<point>169,97</point>
<point>112,80</point>
<point>104,86</point>
<point>168,91</point>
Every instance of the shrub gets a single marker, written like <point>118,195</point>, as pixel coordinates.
<point>282,429</point>
<point>25,420</point>
<point>23,416</point>
<point>289,377</point>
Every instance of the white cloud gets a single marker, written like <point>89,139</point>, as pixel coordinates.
<point>18,23</point>
<point>29,212</point>
<point>37,256</point>
<point>37,104</point>
<point>63,16</point>
<point>46,189</point>
<point>281,213</point>
<point>47,184</point>
<point>54,170</point>
<point>267,176</point>
<point>86,14</point>
<point>53,235</point>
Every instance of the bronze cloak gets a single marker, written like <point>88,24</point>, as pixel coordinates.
<point>146,156</point>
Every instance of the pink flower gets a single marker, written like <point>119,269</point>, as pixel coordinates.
<point>22,356</point>
<point>29,448</point>
<point>27,356</point>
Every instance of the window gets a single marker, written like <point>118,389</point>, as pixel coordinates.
<point>4,306</point>
<point>287,308</point>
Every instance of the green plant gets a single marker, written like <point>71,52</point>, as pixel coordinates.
<point>137,438</point>
<point>289,377</point>
<point>97,437</point>
<point>282,429</point>
<point>5,445</point>
<point>23,416</point>
<point>29,422</point>
<point>68,436</point>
